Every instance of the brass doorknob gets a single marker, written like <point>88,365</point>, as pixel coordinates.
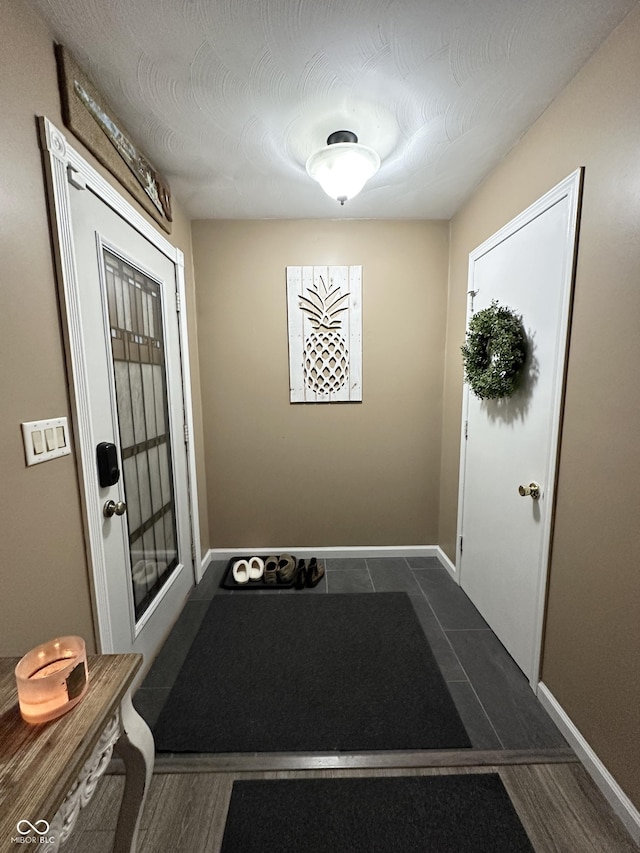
<point>114,508</point>
<point>533,490</point>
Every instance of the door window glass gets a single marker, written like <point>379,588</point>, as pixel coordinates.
<point>137,346</point>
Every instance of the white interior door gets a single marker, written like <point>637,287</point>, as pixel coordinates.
<point>504,537</point>
<point>129,320</point>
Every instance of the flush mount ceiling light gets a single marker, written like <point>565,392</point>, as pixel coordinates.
<point>343,166</point>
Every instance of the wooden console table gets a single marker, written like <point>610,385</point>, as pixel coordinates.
<point>48,772</point>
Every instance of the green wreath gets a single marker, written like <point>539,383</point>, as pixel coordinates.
<point>494,352</point>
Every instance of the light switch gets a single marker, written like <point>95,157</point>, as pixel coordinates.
<point>44,440</point>
<point>37,442</point>
<point>50,438</point>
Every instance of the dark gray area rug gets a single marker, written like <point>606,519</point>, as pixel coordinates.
<point>412,814</point>
<point>309,673</point>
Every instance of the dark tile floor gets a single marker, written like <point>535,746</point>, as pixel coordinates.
<point>497,706</point>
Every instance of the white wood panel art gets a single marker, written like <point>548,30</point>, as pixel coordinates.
<point>324,309</point>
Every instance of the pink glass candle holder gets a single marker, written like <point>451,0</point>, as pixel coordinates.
<point>52,679</point>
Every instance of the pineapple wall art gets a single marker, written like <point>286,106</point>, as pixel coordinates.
<point>325,334</point>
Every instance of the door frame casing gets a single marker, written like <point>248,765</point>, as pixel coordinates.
<point>571,189</point>
<point>63,164</point>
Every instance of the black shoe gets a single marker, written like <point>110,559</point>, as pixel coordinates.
<point>301,575</point>
<point>315,572</point>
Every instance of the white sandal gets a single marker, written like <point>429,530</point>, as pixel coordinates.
<point>241,571</point>
<point>256,568</point>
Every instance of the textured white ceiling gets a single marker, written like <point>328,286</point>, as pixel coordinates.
<point>229,97</point>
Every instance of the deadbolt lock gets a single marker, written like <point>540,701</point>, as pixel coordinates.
<point>114,508</point>
<point>533,490</point>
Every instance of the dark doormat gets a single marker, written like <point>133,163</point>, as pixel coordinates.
<point>412,814</point>
<point>309,673</point>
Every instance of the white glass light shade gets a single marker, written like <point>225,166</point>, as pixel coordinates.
<point>342,169</point>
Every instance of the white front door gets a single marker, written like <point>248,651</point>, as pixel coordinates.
<point>127,299</point>
<point>119,281</point>
<point>504,537</point>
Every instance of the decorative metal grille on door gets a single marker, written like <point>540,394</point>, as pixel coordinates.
<point>137,344</point>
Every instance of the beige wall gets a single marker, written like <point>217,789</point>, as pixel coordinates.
<point>348,474</point>
<point>45,582</point>
<point>592,642</point>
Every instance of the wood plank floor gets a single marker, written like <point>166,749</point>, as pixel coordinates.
<point>558,804</point>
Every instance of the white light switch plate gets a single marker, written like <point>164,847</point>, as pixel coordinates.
<point>45,440</point>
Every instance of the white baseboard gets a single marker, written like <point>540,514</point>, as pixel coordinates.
<point>335,552</point>
<point>618,800</point>
<point>448,564</point>
<point>206,560</point>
